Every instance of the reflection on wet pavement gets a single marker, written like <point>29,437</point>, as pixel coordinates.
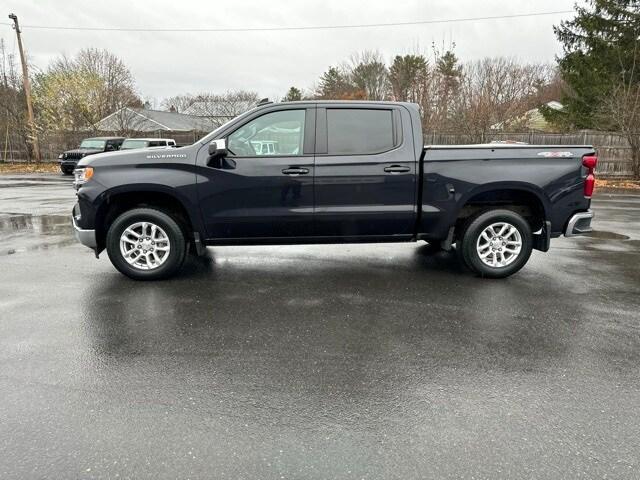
<point>20,233</point>
<point>348,361</point>
<point>35,212</point>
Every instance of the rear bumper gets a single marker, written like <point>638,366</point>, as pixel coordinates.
<point>579,223</point>
<point>85,237</point>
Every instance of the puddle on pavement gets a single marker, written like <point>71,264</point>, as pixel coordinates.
<point>20,232</point>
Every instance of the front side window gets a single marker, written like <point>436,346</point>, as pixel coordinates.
<point>357,131</point>
<point>276,133</point>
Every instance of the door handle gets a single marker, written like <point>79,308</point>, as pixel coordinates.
<point>293,171</point>
<point>397,169</point>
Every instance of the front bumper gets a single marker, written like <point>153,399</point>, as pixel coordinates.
<point>85,237</point>
<point>579,223</point>
<point>68,163</point>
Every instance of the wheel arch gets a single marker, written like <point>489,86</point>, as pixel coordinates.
<point>117,200</point>
<point>524,198</point>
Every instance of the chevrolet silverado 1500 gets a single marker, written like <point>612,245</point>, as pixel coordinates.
<point>333,172</point>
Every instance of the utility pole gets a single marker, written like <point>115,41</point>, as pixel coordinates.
<point>27,90</point>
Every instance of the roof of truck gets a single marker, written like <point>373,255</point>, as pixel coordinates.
<point>343,102</point>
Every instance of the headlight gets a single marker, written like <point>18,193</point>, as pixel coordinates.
<point>82,175</point>
<point>61,155</point>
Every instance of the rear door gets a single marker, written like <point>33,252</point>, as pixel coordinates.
<point>365,172</point>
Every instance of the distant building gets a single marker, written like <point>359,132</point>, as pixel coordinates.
<point>530,120</point>
<point>145,120</point>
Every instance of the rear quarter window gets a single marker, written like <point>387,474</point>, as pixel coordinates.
<point>354,131</point>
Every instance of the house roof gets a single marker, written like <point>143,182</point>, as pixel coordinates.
<point>147,120</point>
<point>534,119</point>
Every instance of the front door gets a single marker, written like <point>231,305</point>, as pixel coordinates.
<point>264,187</point>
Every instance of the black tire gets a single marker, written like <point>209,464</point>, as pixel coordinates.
<point>67,170</point>
<point>177,242</point>
<point>471,232</point>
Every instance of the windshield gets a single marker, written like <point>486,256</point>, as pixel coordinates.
<point>93,143</point>
<point>131,144</point>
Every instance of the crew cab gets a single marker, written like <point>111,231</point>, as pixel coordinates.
<point>89,146</point>
<point>133,143</point>
<point>337,172</point>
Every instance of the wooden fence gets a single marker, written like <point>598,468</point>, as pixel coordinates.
<point>613,149</point>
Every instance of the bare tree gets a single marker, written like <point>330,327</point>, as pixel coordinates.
<point>216,108</point>
<point>75,93</point>
<point>621,110</point>
<point>493,91</point>
<point>179,103</point>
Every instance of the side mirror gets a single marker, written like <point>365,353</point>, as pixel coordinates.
<point>218,148</point>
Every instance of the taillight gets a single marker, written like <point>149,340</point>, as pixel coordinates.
<point>589,185</point>
<point>590,162</point>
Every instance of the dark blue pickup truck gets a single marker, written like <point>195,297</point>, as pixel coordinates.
<point>331,172</point>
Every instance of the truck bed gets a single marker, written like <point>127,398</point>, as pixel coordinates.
<point>456,175</point>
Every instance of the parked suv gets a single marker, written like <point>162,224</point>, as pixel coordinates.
<point>89,146</point>
<point>134,143</point>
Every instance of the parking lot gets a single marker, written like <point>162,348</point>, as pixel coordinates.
<point>346,361</point>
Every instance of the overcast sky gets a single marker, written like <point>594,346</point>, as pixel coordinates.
<point>170,63</point>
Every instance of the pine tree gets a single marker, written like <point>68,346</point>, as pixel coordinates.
<point>333,84</point>
<point>600,50</point>
<point>407,76</point>
<point>293,95</point>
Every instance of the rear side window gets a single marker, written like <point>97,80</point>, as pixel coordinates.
<point>355,131</point>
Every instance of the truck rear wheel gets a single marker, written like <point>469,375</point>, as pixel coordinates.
<point>496,243</point>
<point>146,244</point>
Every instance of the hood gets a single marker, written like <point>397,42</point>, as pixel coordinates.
<point>140,156</point>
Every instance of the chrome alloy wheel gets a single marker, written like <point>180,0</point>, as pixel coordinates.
<point>145,245</point>
<point>499,244</point>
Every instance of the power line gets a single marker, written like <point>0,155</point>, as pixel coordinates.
<point>307,27</point>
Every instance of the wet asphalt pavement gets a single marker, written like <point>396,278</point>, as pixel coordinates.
<point>347,361</point>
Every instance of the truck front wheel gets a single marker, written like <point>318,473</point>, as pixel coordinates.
<point>146,244</point>
<point>496,243</point>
